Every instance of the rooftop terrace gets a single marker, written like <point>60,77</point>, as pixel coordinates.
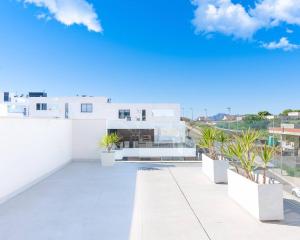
<point>136,201</point>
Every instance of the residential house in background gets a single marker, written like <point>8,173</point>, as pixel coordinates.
<point>289,137</point>
<point>147,131</point>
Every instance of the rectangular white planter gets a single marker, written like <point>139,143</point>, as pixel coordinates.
<point>216,170</point>
<point>263,201</point>
<point>107,158</point>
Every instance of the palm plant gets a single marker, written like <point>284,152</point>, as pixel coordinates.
<point>222,138</point>
<point>234,150</point>
<point>266,154</point>
<point>243,148</point>
<point>109,140</point>
<point>208,138</point>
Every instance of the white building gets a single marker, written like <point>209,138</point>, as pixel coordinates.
<point>294,114</point>
<point>146,130</point>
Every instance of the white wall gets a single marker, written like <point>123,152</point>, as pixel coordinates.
<point>56,107</point>
<point>156,152</point>
<point>102,109</point>
<point>31,149</point>
<point>112,111</point>
<point>86,136</point>
<point>3,110</point>
<point>1,97</point>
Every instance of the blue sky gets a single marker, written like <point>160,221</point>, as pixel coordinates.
<point>154,51</point>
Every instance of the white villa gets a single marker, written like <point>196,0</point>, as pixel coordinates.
<point>148,131</point>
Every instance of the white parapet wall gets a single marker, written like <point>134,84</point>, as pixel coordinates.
<point>31,149</point>
<point>156,152</point>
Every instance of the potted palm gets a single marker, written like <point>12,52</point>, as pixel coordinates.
<point>258,194</point>
<point>108,156</point>
<point>213,165</point>
<point>223,139</point>
<point>266,154</point>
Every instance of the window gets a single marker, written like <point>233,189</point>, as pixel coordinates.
<point>86,107</point>
<point>6,97</point>
<point>143,115</point>
<point>41,106</point>
<point>66,110</point>
<point>124,114</point>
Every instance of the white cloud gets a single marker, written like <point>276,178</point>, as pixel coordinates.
<point>229,18</point>
<point>225,17</point>
<point>70,12</point>
<point>273,12</point>
<point>282,44</point>
<point>44,16</point>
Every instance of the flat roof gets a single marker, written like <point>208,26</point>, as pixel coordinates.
<point>136,201</point>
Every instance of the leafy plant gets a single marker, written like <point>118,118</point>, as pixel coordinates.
<point>222,138</point>
<point>266,154</point>
<point>286,112</point>
<point>243,148</point>
<point>252,118</point>
<point>207,141</point>
<point>109,140</point>
<point>263,114</point>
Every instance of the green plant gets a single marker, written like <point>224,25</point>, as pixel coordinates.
<point>222,138</point>
<point>287,111</point>
<point>252,118</point>
<point>234,150</point>
<point>109,140</point>
<point>263,114</point>
<point>266,154</point>
<point>243,148</point>
<point>207,141</point>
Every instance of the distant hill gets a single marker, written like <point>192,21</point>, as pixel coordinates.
<point>217,117</point>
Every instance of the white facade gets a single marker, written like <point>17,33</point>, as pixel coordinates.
<point>101,108</point>
<point>93,117</point>
<point>294,114</point>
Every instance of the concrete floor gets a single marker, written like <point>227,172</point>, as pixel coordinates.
<point>136,201</point>
<point>81,201</point>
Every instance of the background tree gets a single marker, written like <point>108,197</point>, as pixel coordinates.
<point>263,114</point>
<point>286,112</point>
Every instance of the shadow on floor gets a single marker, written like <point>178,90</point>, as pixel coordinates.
<point>291,213</point>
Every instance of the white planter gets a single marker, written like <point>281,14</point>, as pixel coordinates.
<point>263,201</point>
<point>107,158</point>
<point>216,170</point>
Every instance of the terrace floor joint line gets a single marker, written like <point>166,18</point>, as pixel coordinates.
<point>189,204</point>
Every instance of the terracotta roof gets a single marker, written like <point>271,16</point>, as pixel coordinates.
<point>285,130</point>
